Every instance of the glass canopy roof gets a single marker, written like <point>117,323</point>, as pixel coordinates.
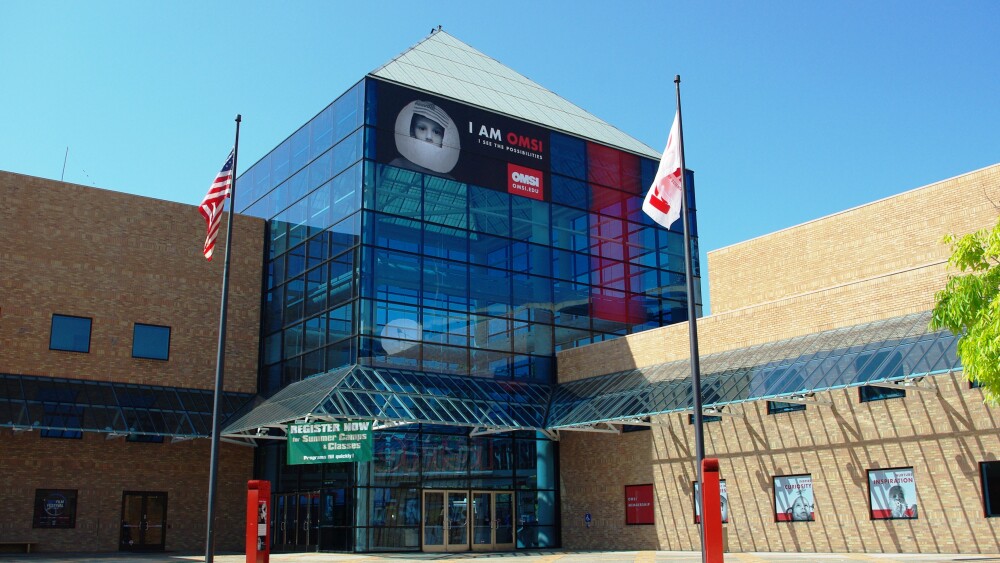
<point>75,405</point>
<point>895,350</point>
<point>394,396</point>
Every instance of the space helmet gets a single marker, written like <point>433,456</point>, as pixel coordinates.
<point>428,155</point>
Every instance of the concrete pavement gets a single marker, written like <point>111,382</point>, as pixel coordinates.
<point>526,556</point>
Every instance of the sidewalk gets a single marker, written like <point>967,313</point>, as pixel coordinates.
<point>533,556</point>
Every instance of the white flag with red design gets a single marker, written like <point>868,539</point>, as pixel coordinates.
<point>663,200</point>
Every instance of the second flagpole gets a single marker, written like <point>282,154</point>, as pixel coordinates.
<point>699,438</point>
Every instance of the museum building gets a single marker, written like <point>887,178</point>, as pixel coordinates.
<point>458,256</point>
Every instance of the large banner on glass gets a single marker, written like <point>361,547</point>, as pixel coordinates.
<point>893,493</point>
<point>793,499</point>
<point>433,135</point>
<point>330,442</point>
<point>723,498</point>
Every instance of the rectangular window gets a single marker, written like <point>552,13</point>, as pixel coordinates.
<point>151,341</point>
<point>144,438</point>
<point>990,471</point>
<point>775,407</point>
<point>705,418</point>
<point>872,393</point>
<point>71,334</point>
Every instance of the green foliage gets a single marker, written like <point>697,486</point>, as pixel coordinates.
<point>969,306</point>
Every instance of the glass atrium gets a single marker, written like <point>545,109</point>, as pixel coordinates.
<point>383,266</point>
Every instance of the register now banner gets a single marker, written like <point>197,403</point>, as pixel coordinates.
<point>330,442</point>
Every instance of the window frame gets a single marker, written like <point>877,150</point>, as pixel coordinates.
<point>987,506</point>
<point>52,331</point>
<point>886,395</point>
<point>784,408</point>
<point>135,326</point>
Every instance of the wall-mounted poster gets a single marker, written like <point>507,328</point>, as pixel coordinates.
<point>892,493</point>
<point>639,504</point>
<point>793,499</point>
<point>723,498</point>
<point>54,508</point>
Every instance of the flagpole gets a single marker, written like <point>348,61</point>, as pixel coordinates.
<point>213,471</point>
<point>699,437</point>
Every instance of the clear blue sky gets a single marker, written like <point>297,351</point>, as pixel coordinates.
<point>792,110</point>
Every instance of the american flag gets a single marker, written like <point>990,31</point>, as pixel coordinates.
<point>214,202</point>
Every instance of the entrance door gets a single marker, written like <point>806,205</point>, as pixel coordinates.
<point>296,521</point>
<point>144,517</point>
<point>492,521</point>
<point>446,521</point>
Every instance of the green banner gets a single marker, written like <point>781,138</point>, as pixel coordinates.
<point>330,442</point>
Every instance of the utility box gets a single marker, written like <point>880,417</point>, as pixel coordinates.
<point>258,521</point>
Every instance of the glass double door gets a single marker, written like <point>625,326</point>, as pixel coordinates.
<point>144,517</point>
<point>296,521</point>
<point>449,526</point>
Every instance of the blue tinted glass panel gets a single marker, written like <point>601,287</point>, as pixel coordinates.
<point>445,202</point>
<point>570,192</point>
<point>570,228</point>
<point>489,211</point>
<point>489,290</point>
<point>530,220</point>
<point>347,111</point>
<point>568,156</point>
<point>445,284</point>
<point>71,334</point>
<point>490,251</point>
<point>775,407</point>
<point>151,341</point>
<point>399,192</point>
<point>871,393</point>
<point>446,242</point>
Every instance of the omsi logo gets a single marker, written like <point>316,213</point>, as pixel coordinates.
<point>524,142</point>
<point>525,182</point>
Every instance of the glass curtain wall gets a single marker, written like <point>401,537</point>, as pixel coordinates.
<point>373,264</point>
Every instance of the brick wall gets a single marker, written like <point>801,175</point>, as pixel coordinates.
<point>121,259</point>
<point>874,262</point>
<point>100,470</point>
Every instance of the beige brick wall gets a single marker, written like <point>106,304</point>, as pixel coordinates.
<point>877,261</point>
<point>872,240</point>
<point>942,435</point>
<point>122,259</point>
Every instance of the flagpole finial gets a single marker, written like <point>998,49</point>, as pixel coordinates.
<point>677,79</point>
<point>239,118</point>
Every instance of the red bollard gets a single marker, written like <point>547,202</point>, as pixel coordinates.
<point>258,521</point>
<point>711,507</point>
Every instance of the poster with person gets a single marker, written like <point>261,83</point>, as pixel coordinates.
<point>892,493</point>
<point>793,499</point>
<point>723,498</point>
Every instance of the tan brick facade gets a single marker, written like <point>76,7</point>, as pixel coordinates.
<point>876,261</point>
<point>121,259</point>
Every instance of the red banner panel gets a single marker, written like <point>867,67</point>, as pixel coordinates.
<point>639,504</point>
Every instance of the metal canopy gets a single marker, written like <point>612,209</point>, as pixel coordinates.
<point>393,397</point>
<point>75,405</point>
<point>897,351</point>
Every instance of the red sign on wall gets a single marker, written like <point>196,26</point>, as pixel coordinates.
<point>639,504</point>
<point>525,181</point>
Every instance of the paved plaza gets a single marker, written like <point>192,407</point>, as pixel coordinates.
<point>536,556</point>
